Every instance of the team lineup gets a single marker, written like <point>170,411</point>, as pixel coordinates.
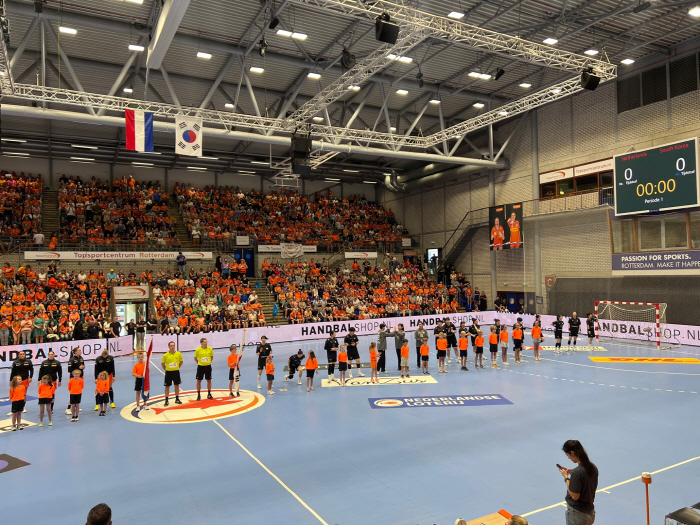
<point>449,341</point>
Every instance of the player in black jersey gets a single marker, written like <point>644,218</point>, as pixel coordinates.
<point>474,331</point>
<point>558,333</point>
<point>105,363</point>
<point>574,327</point>
<point>351,341</point>
<point>451,332</point>
<point>331,348</point>
<point>439,329</point>
<point>590,325</point>
<point>263,351</point>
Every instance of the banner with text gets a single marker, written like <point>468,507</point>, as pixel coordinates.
<point>657,263</point>
<point>91,349</point>
<point>277,248</point>
<point>114,256</point>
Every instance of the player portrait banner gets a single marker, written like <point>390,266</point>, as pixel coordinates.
<point>188,136</point>
<point>505,227</point>
<point>514,225</point>
<point>91,349</point>
<point>115,256</point>
<point>497,231</point>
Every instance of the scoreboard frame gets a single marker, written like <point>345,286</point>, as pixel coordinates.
<point>661,176</point>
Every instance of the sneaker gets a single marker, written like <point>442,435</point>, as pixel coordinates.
<point>68,412</point>
<point>385,372</point>
<point>482,366</point>
<point>445,371</point>
<point>466,369</point>
<point>199,397</point>
<point>166,403</point>
<point>113,405</point>
<point>13,427</point>
<point>259,385</point>
<point>41,424</point>
<point>209,396</point>
<point>10,413</point>
<point>238,394</point>
<point>72,420</point>
<point>285,379</point>
<point>449,361</point>
<point>50,423</point>
<point>77,418</point>
<point>495,365</point>
<point>97,407</point>
<point>506,363</point>
<point>25,411</point>
<point>360,374</point>
<point>332,377</point>
<point>299,382</point>
<point>271,392</point>
<point>20,427</point>
<point>401,376</point>
<point>177,402</point>
<point>350,376</point>
<point>407,376</point>
<point>230,394</point>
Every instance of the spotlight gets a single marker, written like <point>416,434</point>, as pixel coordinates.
<point>274,23</point>
<point>419,76</point>
<point>263,47</point>
<point>499,74</point>
<point>641,7</point>
<point>347,60</point>
<point>589,80</point>
<point>385,30</point>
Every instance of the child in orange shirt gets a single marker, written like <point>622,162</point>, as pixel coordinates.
<point>138,372</point>
<point>441,345</point>
<point>404,358</point>
<point>373,355</point>
<point>75,387</point>
<point>463,344</point>
<point>46,392</point>
<point>504,345</point>
<point>311,367</point>
<point>232,361</point>
<point>342,363</point>
<point>270,373</point>
<point>425,356</point>
<point>479,350</point>
<point>493,346</point>
<point>517,341</point>
<point>537,338</point>
<point>102,391</point>
<point>18,397</point>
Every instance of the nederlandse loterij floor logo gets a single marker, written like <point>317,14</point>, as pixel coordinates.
<point>388,402</point>
<point>193,411</point>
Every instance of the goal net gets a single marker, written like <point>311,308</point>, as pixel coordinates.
<point>640,323</point>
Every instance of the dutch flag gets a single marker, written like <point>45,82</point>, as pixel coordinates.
<point>139,130</point>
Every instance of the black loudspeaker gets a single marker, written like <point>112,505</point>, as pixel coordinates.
<point>301,155</point>
<point>589,81</point>
<point>386,32</point>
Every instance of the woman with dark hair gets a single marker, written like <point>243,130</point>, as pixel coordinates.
<point>581,484</point>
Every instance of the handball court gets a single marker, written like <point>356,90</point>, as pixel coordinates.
<point>328,457</point>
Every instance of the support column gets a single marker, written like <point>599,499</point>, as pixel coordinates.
<point>43,60</point>
<point>536,241</point>
<point>492,202</point>
<point>111,175</point>
<point>165,181</point>
<point>216,179</point>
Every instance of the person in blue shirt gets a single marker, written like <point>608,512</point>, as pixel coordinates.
<point>181,263</point>
<point>111,275</point>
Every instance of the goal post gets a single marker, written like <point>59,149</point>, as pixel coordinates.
<point>639,323</point>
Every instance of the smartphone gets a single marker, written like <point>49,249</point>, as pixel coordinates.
<point>559,466</point>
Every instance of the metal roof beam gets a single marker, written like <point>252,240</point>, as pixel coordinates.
<point>24,42</point>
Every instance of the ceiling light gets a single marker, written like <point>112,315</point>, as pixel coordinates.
<point>67,30</point>
<point>392,56</point>
<point>591,52</point>
<point>334,180</point>
<point>228,105</point>
<point>209,158</point>
<point>315,76</point>
<point>82,146</point>
<point>259,162</point>
<point>354,88</point>
<point>128,90</point>
<point>134,47</point>
<point>627,61</point>
<point>135,1</point>
<point>350,171</point>
<point>402,92</point>
<point>2,73</point>
<point>318,119</point>
<point>244,171</point>
<point>694,11</point>
<point>550,41</point>
<point>479,104</point>
<point>152,152</point>
<point>405,60</point>
<point>556,90</point>
<point>435,101</point>
<point>242,174</point>
<point>300,36</point>
<point>284,32</point>
<point>14,153</point>
<point>456,136</point>
<point>503,113</point>
<point>81,158</point>
<point>474,74</point>
<point>369,181</point>
<point>456,15</point>
<point>484,76</point>
<point>195,168</point>
<point>392,128</point>
<point>13,140</point>
<point>255,69</point>
<point>202,54</point>
<point>525,85</point>
<point>142,163</point>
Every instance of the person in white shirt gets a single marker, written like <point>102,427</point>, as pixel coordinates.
<point>39,239</point>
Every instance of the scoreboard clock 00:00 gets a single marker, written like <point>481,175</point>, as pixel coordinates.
<point>661,178</point>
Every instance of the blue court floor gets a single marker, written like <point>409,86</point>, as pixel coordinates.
<point>328,457</point>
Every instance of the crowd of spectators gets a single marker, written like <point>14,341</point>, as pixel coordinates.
<point>312,291</point>
<point>20,208</point>
<point>125,213</point>
<point>215,216</point>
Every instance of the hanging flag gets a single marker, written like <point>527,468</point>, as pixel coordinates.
<point>146,388</point>
<point>188,136</point>
<point>139,130</point>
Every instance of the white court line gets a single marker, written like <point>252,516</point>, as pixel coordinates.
<point>619,369</point>
<point>606,489</point>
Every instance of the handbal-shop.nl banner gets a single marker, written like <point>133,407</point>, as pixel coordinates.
<point>91,349</point>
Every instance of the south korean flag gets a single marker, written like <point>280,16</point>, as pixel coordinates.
<point>188,136</point>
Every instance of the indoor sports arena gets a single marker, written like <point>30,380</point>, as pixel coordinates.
<point>350,262</point>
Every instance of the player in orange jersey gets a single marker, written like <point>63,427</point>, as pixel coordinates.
<point>514,226</point>
<point>497,235</point>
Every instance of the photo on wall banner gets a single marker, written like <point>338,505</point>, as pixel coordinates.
<point>497,233</point>
<point>514,225</point>
<point>505,223</point>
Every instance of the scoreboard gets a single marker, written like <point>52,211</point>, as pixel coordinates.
<point>658,179</point>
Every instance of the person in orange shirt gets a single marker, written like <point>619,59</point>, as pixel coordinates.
<point>232,361</point>
<point>463,348</point>
<point>373,355</point>
<point>18,397</point>
<point>270,373</point>
<point>342,363</point>
<point>424,355</point>
<point>138,372</point>
<point>47,388</point>
<point>404,358</point>
<point>441,345</point>
<point>517,341</point>
<point>504,344</point>
<point>497,235</point>
<point>75,387</point>
<point>479,350</point>
<point>537,338</point>
<point>102,385</point>
<point>493,346</point>
<point>311,367</point>
<point>514,225</point>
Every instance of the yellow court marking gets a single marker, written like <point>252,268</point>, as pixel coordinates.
<point>312,511</point>
<point>652,360</point>
<point>606,489</point>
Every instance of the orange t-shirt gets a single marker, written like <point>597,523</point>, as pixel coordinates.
<point>75,386</point>
<point>517,334</point>
<point>232,360</point>
<point>493,339</point>
<point>424,350</point>
<point>441,344</point>
<point>46,391</point>
<point>373,355</point>
<point>504,336</point>
<point>138,369</point>
<point>19,393</point>
<point>463,343</point>
<point>102,386</point>
<point>311,363</point>
<point>404,351</point>
<point>536,332</point>
<point>479,341</point>
<point>270,368</point>
<point>343,357</point>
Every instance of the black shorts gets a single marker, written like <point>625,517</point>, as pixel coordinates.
<point>473,340</point>
<point>573,332</point>
<point>342,366</point>
<point>76,398</point>
<point>45,400</point>
<point>462,353</point>
<point>442,354</point>
<point>452,340</point>
<point>493,348</point>
<point>203,372</point>
<point>332,356</point>
<point>262,361</point>
<point>231,374</point>
<point>102,399</point>
<point>138,384</point>
<point>270,377</point>
<point>424,357</point>
<point>353,353</point>
<point>18,406</point>
<point>479,350</point>
<point>558,335</point>
<point>310,373</point>
<point>517,344</point>
<point>172,377</point>
<point>591,333</point>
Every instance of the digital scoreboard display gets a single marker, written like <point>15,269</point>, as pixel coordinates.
<point>658,179</point>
